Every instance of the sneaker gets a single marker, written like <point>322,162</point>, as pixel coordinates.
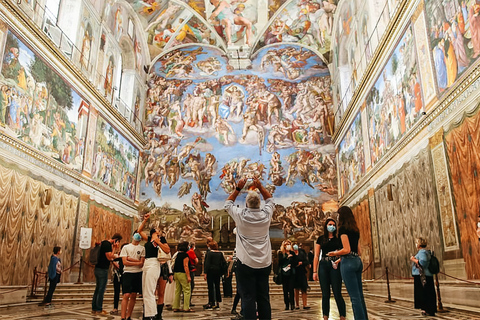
<point>234,312</point>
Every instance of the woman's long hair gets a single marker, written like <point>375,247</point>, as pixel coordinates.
<point>346,219</point>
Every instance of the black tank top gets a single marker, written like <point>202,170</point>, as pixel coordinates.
<point>151,249</point>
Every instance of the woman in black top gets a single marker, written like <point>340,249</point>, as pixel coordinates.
<point>181,274</point>
<point>300,282</point>
<point>328,269</point>
<point>151,270</point>
<point>286,262</point>
<point>117,281</point>
<point>213,271</point>
<point>351,266</point>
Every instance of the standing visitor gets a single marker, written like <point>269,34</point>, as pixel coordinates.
<point>181,274</point>
<point>227,279</point>
<point>151,269</point>
<point>166,274</point>
<point>300,283</point>
<point>351,265</point>
<point>213,271</point>
<point>287,262</point>
<point>424,294</point>
<point>54,273</point>
<point>133,258</point>
<point>328,269</point>
<point>105,256</point>
<point>253,247</point>
<point>192,256</point>
<point>117,281</point>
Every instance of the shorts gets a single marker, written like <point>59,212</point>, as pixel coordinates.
<point>132,282</point>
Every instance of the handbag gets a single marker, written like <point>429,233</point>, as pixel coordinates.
<point>162,256</point>
<point>277,278</point>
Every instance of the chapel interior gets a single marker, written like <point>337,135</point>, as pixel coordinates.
<point>110,109</point>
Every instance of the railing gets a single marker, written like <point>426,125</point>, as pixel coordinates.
<point>370,47</point>
<point>41,17</point>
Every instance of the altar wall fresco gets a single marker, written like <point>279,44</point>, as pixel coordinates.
<point>32,225</point>
<point>412,213</point>
<point>208,125</point>
<point>462,145</point>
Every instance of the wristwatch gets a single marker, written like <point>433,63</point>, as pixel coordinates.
<point>238,189</point>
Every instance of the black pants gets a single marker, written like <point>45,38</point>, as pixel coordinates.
<point>288,283</point>
<point>213,282</point>
<point>116,291</point>
<point>227,286</point>
<point>254,291</point>
<point>192,284</point>
<point>330,277</point>
<point>51,288</point>
<point>425,297</point>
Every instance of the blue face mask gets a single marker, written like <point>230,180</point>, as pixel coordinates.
<point>137,237</point>
<point>331,228</point>
<point>295,247</point>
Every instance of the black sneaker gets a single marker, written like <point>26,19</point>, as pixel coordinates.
<point>234,312</point>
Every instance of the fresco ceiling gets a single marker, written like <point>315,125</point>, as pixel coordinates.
<point>250,24</point>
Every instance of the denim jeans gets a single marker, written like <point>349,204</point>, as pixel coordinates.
<point>254,291</point>
<point>101,278</point>
<point>351,269</point>
<point>330,277</point>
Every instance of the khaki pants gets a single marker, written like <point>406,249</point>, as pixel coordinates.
<point>181,284</point>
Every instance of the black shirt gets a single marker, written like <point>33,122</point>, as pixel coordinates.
<point>329,244</point>
<point>151,249</point>
<point>103,262</point>
<point>353,238</point>
<point>178,267</point>
<point>213,262</point>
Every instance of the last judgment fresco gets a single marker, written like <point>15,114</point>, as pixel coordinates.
<point>208,125</point>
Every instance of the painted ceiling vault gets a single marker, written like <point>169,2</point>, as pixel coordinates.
<point>238,88</point>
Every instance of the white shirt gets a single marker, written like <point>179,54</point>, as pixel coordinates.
<point>253,239</point>
<point>135,252</point>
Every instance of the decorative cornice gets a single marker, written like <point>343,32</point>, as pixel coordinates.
<point>376,62</point>
<point>22,21</point>
<point>57,168</point>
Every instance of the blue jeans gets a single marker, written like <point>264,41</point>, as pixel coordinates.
<point>254,291</point>
<point>330,277</point>
<point>101,277</point>
<point>351,269</point>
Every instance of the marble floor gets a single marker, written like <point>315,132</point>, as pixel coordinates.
<point>377,309</point>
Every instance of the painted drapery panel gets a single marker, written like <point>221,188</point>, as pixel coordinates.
<point>464,160</point>
<point>362,216</point>
<point>31,227</point>
<point>104,223</point>
<point>394,104</point>
<point>444,193</point>
<point>351,156</point>
<point>208,125</point>
<point>454,33</point>
<point>38,107</point>
<point>115,160</point>
<point>412,213</point>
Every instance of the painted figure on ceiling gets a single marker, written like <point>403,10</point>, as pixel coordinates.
<point>225,15</point>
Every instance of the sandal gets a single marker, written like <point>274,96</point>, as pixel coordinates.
<point>189,310</point>
<point>177,310</point>
<point>114,312</point>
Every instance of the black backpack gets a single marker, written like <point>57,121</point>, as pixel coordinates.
<point>434,265</point>
<point>94,255</point>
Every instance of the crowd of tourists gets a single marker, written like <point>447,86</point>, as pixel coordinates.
<point>150,269</point>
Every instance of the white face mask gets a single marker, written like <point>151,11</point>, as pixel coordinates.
<point>288,247</point>
<point>478,224</point>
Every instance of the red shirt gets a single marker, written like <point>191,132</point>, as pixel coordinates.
<point>192,257</point>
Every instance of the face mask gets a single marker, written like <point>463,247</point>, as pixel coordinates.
<point>137,237</point>
<point>478,224</point>
<point>295,247</point>
<point>331,228</point>
<point>288,247</point>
